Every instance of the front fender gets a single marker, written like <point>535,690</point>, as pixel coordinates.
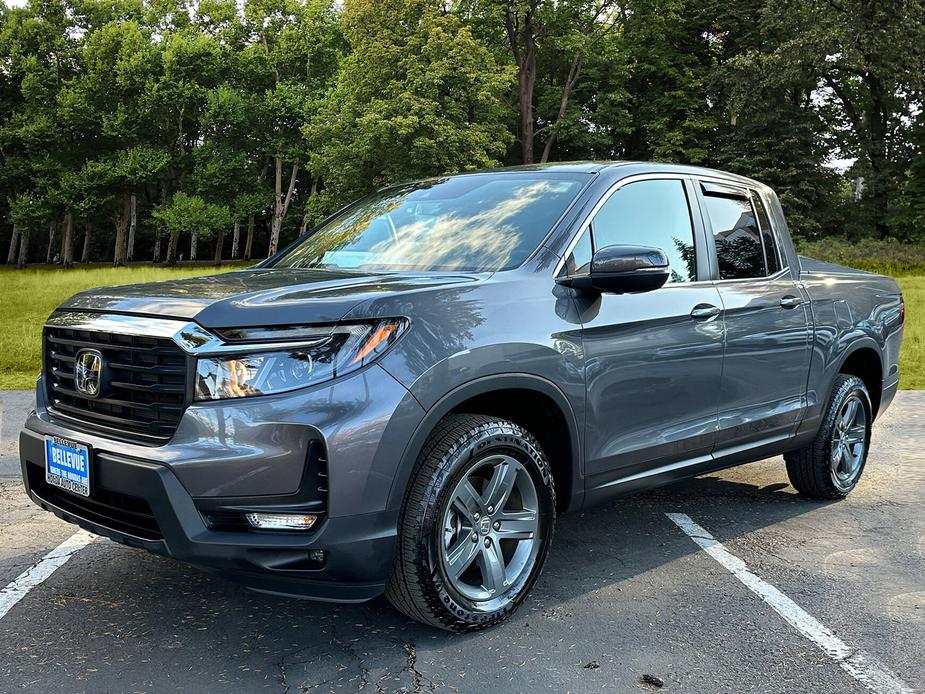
<point>481,386</point>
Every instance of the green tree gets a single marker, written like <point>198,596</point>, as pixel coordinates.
<point>193,63</point>
<point>290,63</point>
<point>417,96</point>
<point>909,217</point>
<point>765,125</point>
<point>549,42</point>
<point>868,59</point>
<point>121,62</point>
<point>28,212</point>
<point>247,205</point>
<point>189,214</point>
<point>41,139</point>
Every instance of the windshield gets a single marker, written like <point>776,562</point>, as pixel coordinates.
<point>478,222</point>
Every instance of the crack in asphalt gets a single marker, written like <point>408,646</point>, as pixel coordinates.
<point>380,667</point>
<point>412,655</point>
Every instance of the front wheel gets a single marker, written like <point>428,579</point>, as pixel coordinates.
<point>476,524</point>
<point>830,466</point>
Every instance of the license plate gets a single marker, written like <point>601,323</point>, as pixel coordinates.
<point>67,465</point>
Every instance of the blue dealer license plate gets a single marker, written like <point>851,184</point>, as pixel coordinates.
<point>67,465</point>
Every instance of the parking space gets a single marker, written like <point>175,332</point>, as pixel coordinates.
<point>625,594</point>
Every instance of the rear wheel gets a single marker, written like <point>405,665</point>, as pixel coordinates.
<point>830,467</point>
<point>476,524</point>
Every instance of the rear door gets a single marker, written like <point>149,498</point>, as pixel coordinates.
<point>765,315</point>
<point>653,360</point>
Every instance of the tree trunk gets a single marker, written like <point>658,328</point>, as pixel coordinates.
<point>85,255</point>
<point>172,242</point>
<point>219,242</point>
<point>52,227</point>
<point>193,245</point>
<point>311,193</point>
<point>280,203</point>
<point>570,81</point>
<point>877,154</point>
<point>526,78</point>
<point>67,241</point>
<point>157,248</point>
<point>249,244</point>
<point>133,205</point>
<point>869,123</point>
<point>521,36</point>
<point>235,239</point>
<point>23,250</point>
<point>118,256</point>
<point>14,246</point>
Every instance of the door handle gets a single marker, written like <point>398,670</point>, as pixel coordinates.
<point>705,312</point>
<point>791,301</point>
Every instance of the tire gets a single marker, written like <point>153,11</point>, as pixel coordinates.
<point>440,517</point>
<point>830,466</point>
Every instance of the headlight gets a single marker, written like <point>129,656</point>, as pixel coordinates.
<point>310,355</point>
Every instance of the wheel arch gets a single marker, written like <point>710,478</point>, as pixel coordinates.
<point>863,360</point>
<point>497,395</point>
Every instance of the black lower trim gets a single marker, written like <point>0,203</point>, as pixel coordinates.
<point>123,512</point>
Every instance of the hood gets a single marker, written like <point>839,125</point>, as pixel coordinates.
<point>259,297</point>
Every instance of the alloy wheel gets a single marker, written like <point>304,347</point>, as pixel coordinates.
<point>490,528</point>
<point>849,441</point>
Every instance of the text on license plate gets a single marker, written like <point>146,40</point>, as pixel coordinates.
<point>67,465</point>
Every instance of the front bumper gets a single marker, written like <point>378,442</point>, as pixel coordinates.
<point>355,546</point>
<point>166,499</point>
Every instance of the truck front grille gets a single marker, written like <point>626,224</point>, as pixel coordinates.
<point>143,389</point>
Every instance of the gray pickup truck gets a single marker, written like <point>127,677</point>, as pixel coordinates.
<point>403,399</point>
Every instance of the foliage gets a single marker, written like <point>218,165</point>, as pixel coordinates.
<point>862,67</point>
<point>114,114</point>
<point>669,60</point>
<point>888,257</point>
<point>417,96</point>
<point>190,214</point>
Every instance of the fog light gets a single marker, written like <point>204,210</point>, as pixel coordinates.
<point>281,521</point>
<point>316,556</point>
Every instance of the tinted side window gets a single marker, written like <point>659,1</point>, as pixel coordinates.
<point>767,236</point>
<point>735,231</point>
<point>650,213</point>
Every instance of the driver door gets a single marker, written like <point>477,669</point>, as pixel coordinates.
<point>653,360</point>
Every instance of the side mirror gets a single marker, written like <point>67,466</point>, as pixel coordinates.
<point>622,269</point>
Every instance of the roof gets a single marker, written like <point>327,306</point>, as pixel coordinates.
<point>621,167</point>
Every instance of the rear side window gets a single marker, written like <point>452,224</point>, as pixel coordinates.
<point>736,235</point>
<point>771,252</point>
<point>650,213</point>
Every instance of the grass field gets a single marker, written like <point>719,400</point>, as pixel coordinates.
<point>28,296</point>
<point>912,355</point>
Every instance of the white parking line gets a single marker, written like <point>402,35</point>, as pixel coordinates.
<point>854,661</point>
<point>42,569</point>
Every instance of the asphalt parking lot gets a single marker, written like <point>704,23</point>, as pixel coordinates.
<point>625,594</point>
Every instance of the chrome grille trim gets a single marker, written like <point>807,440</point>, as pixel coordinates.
<point>147,378</point>
<point>190,337</point>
